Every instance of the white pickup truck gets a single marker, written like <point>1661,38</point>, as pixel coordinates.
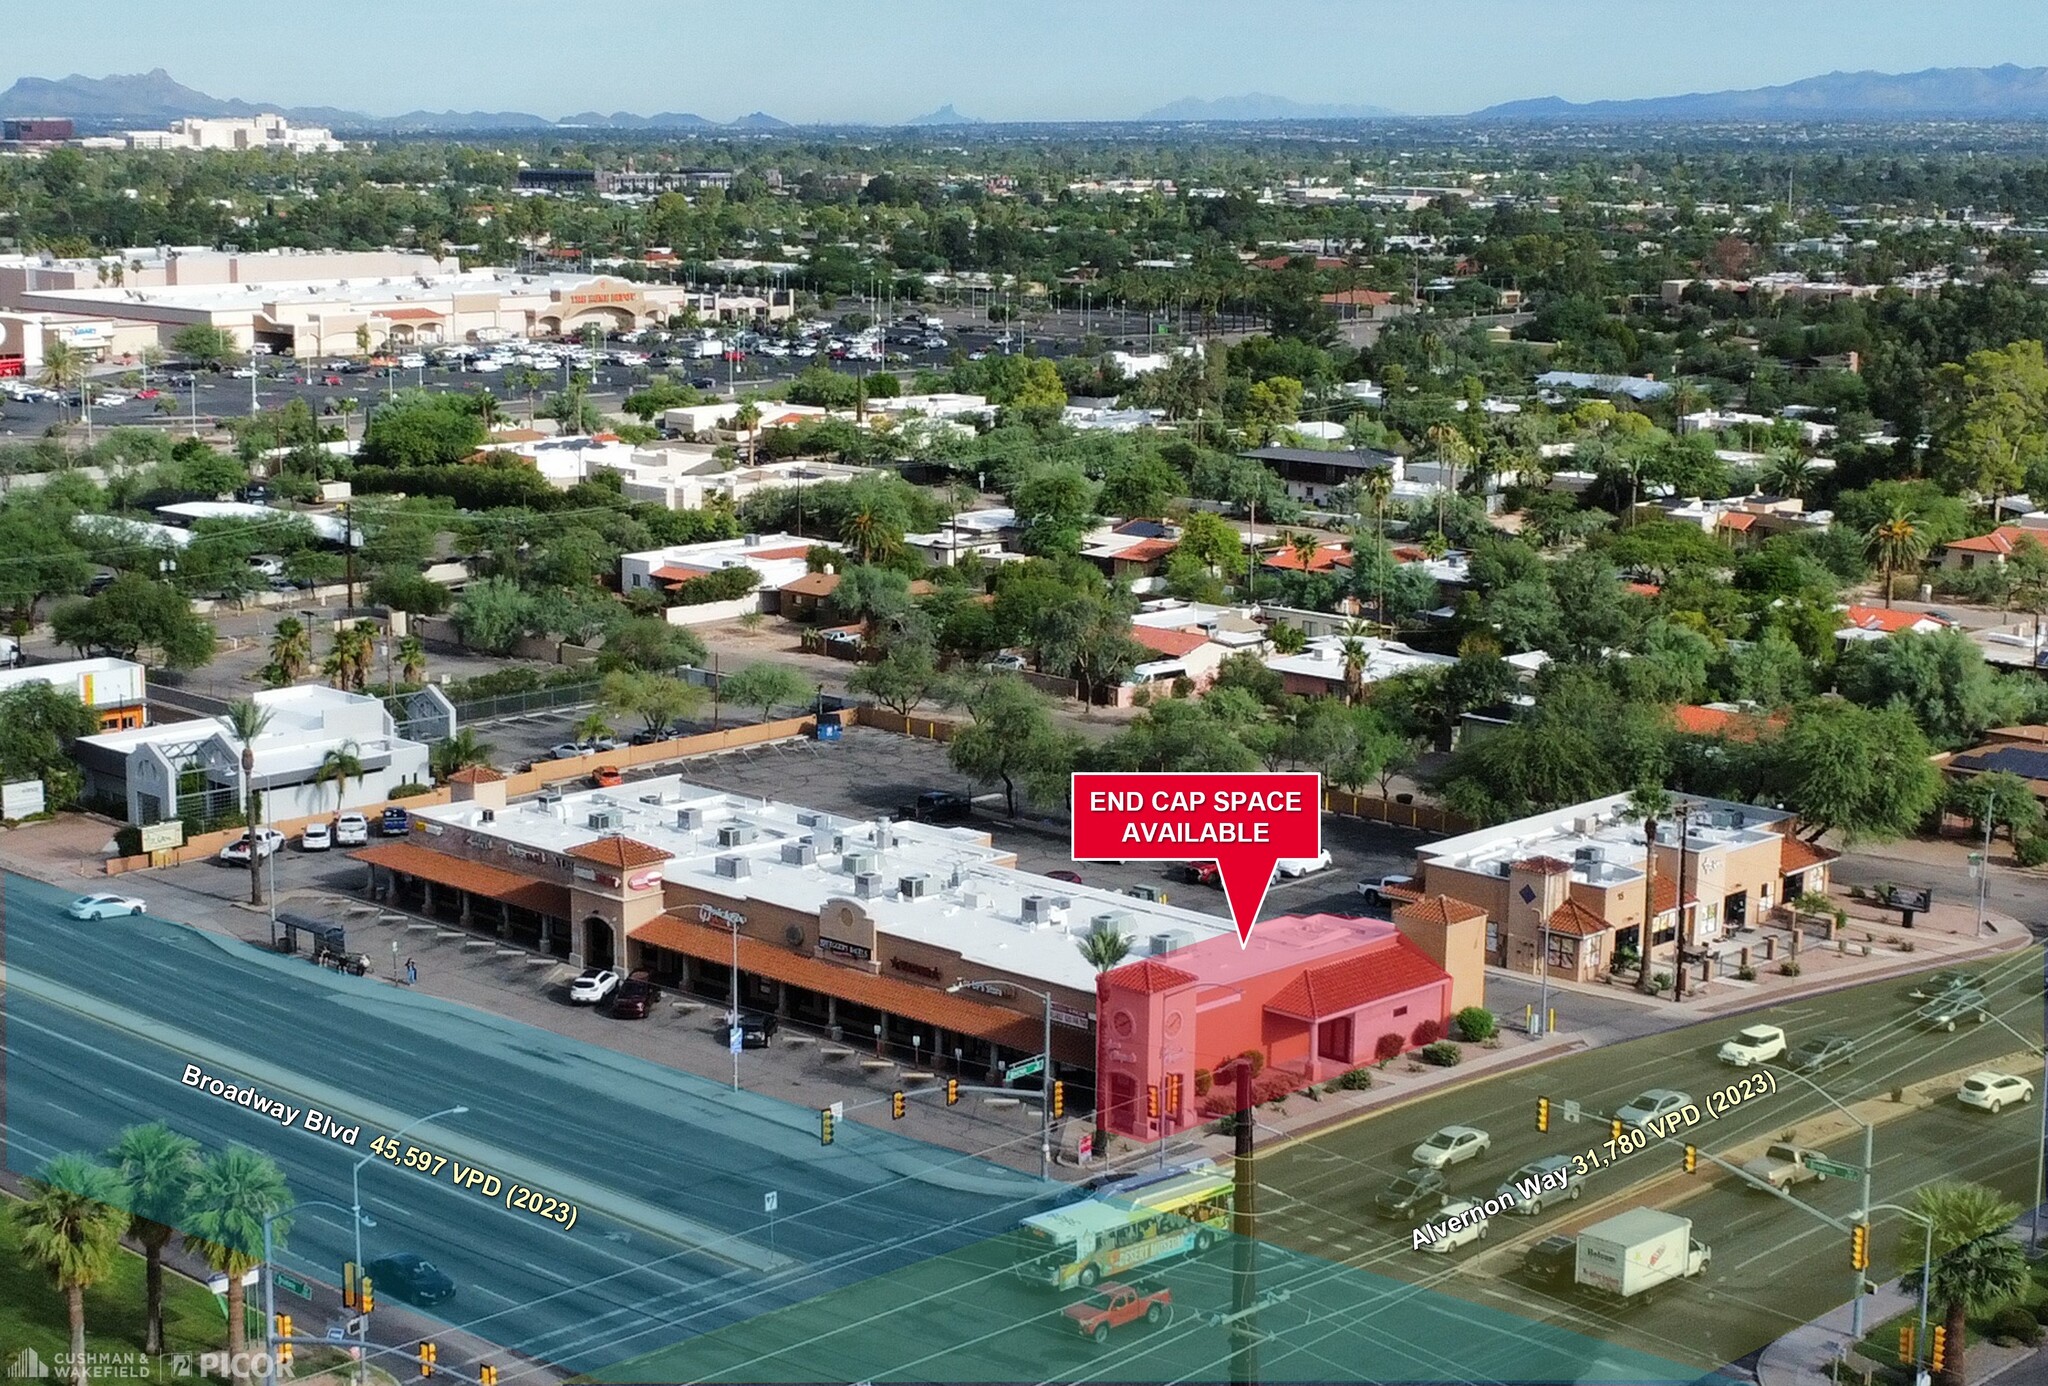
<point>1783,1165</point>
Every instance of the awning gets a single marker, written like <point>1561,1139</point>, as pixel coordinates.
<point>509,887</point>
<point>929,1005</point>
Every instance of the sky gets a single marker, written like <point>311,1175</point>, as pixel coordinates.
<point>889,60</point>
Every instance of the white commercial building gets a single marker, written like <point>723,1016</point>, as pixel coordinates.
<point>176,769</point>
<point>775,559</point>
<point>115,690</point>
<point>266,131</point>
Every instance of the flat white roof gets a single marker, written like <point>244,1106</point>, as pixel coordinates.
<point>975,900</point>
<point>1600,838</point>
<point>1323,658</point>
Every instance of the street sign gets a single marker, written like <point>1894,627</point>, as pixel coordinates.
<point>292,1285</point>
<point>1568,1109</point>
<point>769,1201</point>
<point>1832,1169</point>
<point>1024,1068</point>
<point>354,1327</point>
<point>334,1333</point>
<point>734,1036</point>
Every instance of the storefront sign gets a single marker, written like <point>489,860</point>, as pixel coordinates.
<point>916,969</point>
<point>988,988</point>
<point>712,914</point>
<point>645,880</point>
<point>853,952</point>
<point>163,837</point>
<point>1077,1020</point>
<point>21,798</point>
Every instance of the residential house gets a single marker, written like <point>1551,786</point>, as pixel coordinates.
<point>1311,474</point>
<point>1131,550</point>
<point>1961,555</point>
<point>775,559</point>
<point>1319,669</point>
<point>1881,623</point>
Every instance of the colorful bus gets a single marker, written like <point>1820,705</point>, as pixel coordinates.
<point>1114,1235</point>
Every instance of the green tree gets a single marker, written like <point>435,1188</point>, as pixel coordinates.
<point>658,700</point>
<point>204,345</point>
<point>766,685</point>
<point>1844,768</point>
<point>1176,736</point>
<point>38,725</point>
<point>458,752</point>
<point>1897,541</point>
<point>43,558</point>
<point>652,644</point>
<point>1104,948</point>
<point>1055,505</point>
<point>1997,797</point>
<point>1941,679</point>
<point>232,1195</point>
<point>156,1166</point>
<point>1989,419</point>
<point>492,614</point>
<point>134,615</point>
<point>291,652</point>
<point>340,765</point>
<point>421,430</point>
<point>70,1225</point>
<point>877,597</point>
<point>412,660</point>
<point>906,676</point>
<point>1976,1266</point>
<point>246,720</point>
<point>64,367</point>
<point>1087,635</point>
<point>1012,741</point>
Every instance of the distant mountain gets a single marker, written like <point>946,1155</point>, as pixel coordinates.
<point>152,96</point>
<point>1981,93</point>
<point>761,120</point>
<point>1259,105</point>
<point>626,120</point>
<point>944,115</point>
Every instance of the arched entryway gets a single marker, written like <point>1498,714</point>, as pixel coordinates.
<point>598,947</point>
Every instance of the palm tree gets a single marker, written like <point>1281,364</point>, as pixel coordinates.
<point>340,765</point>
<point>246,720</point>
<point>348,661</point>
<point>594,725</point>
<point>1355,655</point>
<point>458,752</point>
<point>412,660</point>
<point>746,419</point>
<point>1451,449</point>
<point>1976,1266</point>
<point>487,408</point>
<point>291,651</point>
<point>867,534</point>
<point>1377,486</point>
<point>231,1196</point>
<point>1104,949</point>
<point>1787,474</point>
<point>1896,542</point>
<point>1304,548</point>
<point>158,1166</point>
<point>345,406</point>
<point>70,1225</point>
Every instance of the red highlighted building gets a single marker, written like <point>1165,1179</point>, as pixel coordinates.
<point>1311,995</point>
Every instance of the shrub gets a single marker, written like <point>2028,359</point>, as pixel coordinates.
<point>1745,973</point>
<point>724,585</point>
<point>1476,1023</point>
<point>2014,1324</point>
<point>1428,1032</point>
<point>1788,968</point>
<point>411,789</point>
<point>1443,1054</point>
<point>1354,1080</point>
<point>1256,1059</point>
<point>127,841</point>
<point>1661,982</point>
<point>1388,1049</point>
<point>2041,1311</point>
<point>2031,850</point>
<point>1204,1080</point>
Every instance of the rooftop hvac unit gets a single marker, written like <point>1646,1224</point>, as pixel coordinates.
<point>1045,909</point>
<point>1113,922</point>
<point>551,794</point>
<point>650,798</point>
<point>734,868</point>
<point>807,818</point>
<point>833,842</point>
<point>867,885</point>
<point>975,900</point>
<point>915,886</point>
<point>799,853</point>
<point>688,820</point>
<point>861,863</point>
<point>736,834</point>
<point>602,821</point>
<point>1503,868</point>
<point>490,815</point>
<point>1586,825</point>
<point>1166,941</point>
<point>1594,855</point>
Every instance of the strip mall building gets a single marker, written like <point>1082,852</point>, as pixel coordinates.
<point>922,937</point>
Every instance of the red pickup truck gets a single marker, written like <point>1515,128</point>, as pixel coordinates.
<point>1114,1304</point>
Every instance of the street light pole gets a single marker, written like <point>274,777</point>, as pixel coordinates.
<point>1541,1026</point>
<point>1920,1343</point>
<point>355,1189</point>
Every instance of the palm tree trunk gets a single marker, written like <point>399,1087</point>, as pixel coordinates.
<point>74,1308</point>
<point>1887,587</point>
<point>153,1290</point>
<point>1957,1322</point>
<point>237,1329</point>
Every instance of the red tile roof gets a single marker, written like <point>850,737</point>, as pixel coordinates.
<point>1575,919</point>
<point>1394,968</point>
<point>1736,520</point>
<point>676,572</point>
<point>619,851</point>
<point>1694,720</point>
<point>1889,621</point>
<point>410,315</point>
<point>476,774</point>
<point>1326,556</point>
<point>458,873</point>
<point>1145,976</point>
<point>1171,643</point>
<point>1364,298</point>
<point>1543,866</point>
<point>1145,550</point>
<point>1999,541</point>
<point>1796,855</point>
<point>1440,910</point>
<point>1279,262</point>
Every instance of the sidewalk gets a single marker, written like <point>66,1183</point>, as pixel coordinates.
<point>1802,1357</point>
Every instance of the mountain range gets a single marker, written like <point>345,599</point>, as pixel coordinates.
<point>154,98</point>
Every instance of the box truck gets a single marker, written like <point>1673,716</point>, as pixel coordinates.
<point>1633,1253</point>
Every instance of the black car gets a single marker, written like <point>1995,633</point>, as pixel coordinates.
<point>411,1277</point>
<point>1553,1260</point>
<point>938,806</point>
<point>1822,1051</point>
<point>755,1030</point>
<point>1418,1193</point>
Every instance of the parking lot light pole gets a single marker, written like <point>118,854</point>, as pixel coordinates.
<point>1869,1159</point>
<point>1044,1073</point>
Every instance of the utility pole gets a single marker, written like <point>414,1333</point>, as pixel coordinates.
<point>348,549</point>
<point>1678,966</point>
<point>1649,904</point>
<point>1244,1293</point>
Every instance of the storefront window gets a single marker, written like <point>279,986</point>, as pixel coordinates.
<point>1564,951</point>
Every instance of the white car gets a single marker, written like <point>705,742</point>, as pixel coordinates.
<point>594,986</point>
<point>1451,1146</point>
<point>103,906</point>
<point>1647,1107</point>
<point>267,841</point>
<point>1994,1091</point>
<point>1459,1223</point>
<point>1291,867</point>
<point>351,830</point>
<point>242,373</point>
<point>1754,1045</point>
<point>1377,891</point>
<point>316,837</point>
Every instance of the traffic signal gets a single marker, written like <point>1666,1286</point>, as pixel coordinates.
<point>1152,1100</point>
<point>952,1091</point>
<point>428,1352</point>
<point>1173,1092</point>
<point>366,1300</point>
<point>487,1375</point>
<point>1859,1246</point>
<point>1059,1099</point>
<point>1692,1159</point>
<point>284,1340</point>
<point>1542,1114</point>
<point>824,1126</point>
<point>896,1105</point>
<point>348,1285</point>
<point>1907,1343</point>
<point>1614,1129</point>
<point>1937,1348</point>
